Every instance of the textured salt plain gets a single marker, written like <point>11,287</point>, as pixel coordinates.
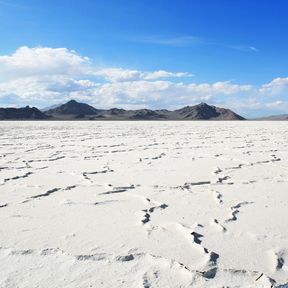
<point>143,204</point>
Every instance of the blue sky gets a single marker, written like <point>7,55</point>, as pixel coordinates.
<point>224,52</point>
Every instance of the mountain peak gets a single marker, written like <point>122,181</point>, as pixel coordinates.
<point>203,111</point>
<point>203,104</point>
<point>72,102</point>
<point>73,107</point>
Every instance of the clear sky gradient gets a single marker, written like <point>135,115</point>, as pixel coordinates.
<point>232,53</point>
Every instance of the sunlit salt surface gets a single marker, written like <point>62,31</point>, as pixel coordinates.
<point>143,204</point>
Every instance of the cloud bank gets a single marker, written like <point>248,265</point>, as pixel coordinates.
<point>43,76</point>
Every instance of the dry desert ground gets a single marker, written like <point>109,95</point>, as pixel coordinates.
<point>143,204</point>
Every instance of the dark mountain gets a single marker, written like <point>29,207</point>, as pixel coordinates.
<point>26,113</point>
<point>204,111</point>
<point>81,111</point>
<point>115,112</point>
<point>146,114</point>
<point>73,108</point>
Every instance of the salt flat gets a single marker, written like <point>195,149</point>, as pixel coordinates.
<point>143,204</point>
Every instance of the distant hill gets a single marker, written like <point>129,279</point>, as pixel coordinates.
<point>274,118</point>
<point>147,114</point>
<point>26,113</point>
<point>81,111</point>
<point>72,108</point>
<point>204,111</point>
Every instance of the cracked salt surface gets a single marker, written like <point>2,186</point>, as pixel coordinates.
<point>179,204</point>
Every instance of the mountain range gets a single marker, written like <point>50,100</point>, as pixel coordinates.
<point>26,113</point>
<point>280,117</point>
<point>73,110</point>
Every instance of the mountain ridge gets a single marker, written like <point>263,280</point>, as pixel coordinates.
<point>201,111</point>
<point>280,117</point>
<point>25,113</point>
<point>73,110</point>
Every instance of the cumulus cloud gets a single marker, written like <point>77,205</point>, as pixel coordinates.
<point>151,93</point>
<point>229,88</point>
<point>43,76</point>
<point>126,75</point>
<point>27,62</point>
<point>278,105</point>
<point>118,74</point>
<point>276,86</point>
<point>41,61</point>
<point>165,74</point>
<point>256,107</point>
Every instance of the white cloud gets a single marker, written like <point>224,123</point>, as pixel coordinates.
<point>228,88</point>
<point>245,104</point>
<point>165,74</point>
<point>27,62</point>
<point>43,76</point>
<point>126,75</point>
<point>256,107</point>
<point>43,61</point>
<point>118,74</point>
<point>276,86</point>
<point>278,105</point>
<point>142,92</point>
<point>52,74</point>
<point>157,94</point>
